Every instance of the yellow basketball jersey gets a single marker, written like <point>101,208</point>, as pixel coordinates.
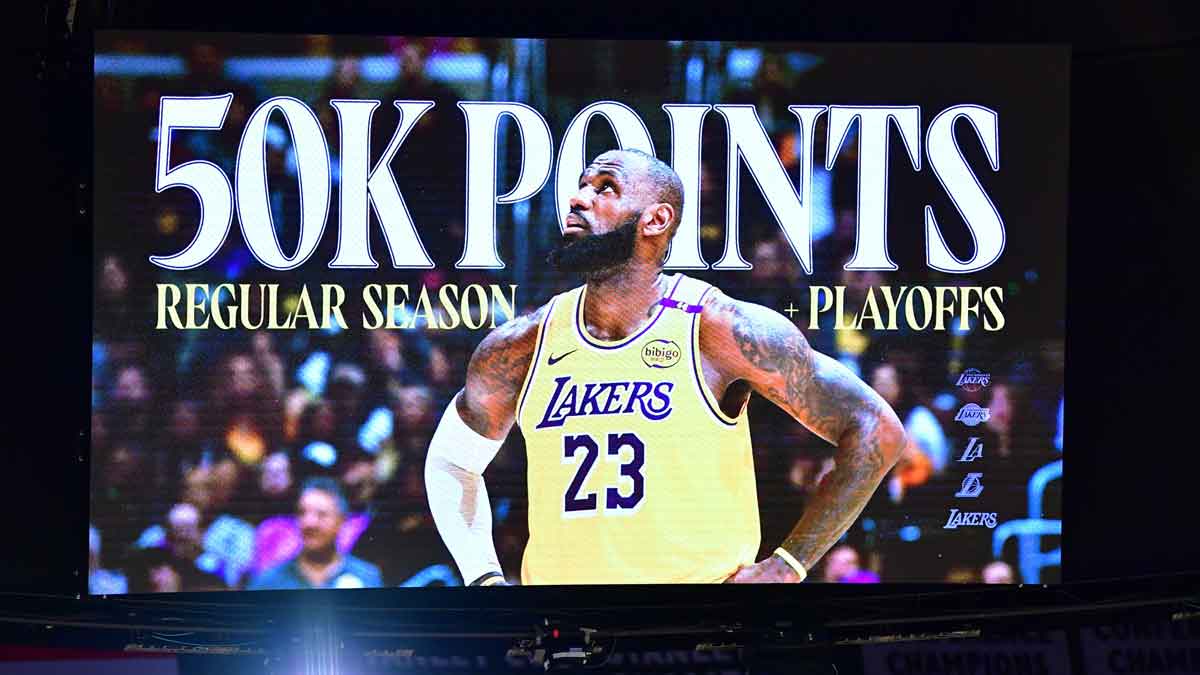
<point>635,474</point>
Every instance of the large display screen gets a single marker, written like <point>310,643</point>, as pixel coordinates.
<point>412,311</point>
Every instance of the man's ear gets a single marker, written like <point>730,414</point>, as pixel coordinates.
<point>657,219</point>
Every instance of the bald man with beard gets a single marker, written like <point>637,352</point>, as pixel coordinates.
<point>630,391</point>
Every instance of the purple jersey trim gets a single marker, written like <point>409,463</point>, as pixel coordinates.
<point>677,304</point>
<point>718,415</point>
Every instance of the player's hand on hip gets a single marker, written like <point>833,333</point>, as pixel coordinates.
<point>773,570</point>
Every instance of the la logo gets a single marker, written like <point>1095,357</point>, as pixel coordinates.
<point>973,452</point>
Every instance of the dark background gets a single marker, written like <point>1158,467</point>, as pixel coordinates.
<point>1129,503</point>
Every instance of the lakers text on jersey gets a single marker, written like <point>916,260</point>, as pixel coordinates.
<point>635,473</point>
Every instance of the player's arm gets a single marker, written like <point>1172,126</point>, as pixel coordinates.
<point>468,437</point>
<point>759,346</point>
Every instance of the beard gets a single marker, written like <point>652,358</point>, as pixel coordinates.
<point>593,255</point>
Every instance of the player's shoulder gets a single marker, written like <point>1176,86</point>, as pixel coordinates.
<point>515,331</point>
<point>515,335</point>
<point>496,372</point>
<point>742,338</point>
<point>721,312</point>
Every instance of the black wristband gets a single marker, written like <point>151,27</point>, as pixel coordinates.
<point>489,575</point>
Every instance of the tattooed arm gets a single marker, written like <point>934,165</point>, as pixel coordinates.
<point>467,438</point>
<point>488,402</point>
<point>745,342</point>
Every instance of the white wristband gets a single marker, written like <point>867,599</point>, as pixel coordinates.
<point>792,563</point>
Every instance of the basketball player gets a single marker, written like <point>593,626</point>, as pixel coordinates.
<point>631,394</point>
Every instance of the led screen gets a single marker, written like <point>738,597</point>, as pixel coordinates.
<point>410,311</point>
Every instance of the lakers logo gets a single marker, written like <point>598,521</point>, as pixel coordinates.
<point>973,379</point>
<point>661,353</point>
<point>972,415</point>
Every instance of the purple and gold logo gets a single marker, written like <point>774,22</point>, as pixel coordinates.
<point>972,415</point>
<point>973,379</point>
<point>972,486</point>
<point>959,519</point>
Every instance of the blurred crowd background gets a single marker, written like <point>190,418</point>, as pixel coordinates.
<point>201,440</point>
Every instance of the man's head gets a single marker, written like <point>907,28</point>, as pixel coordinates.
<point>131,387</point>
<point>321,510</point>
<point>768,261</point>
<point>240,378</point>
<point>183,530</point>
<point>346,389</point>
<point>414,407</point>
<point>627,209</point>
<point>185,421</point>
<point>275,478</point>
<point>886,381</point>
<point>841,562</point>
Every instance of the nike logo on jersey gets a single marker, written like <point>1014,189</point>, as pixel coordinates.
<point>555,359</point>
<point>652,400</point>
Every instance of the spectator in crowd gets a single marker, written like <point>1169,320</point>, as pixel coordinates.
<point>129,410</point>
<point>295,403</point>
<point>343,84</point>
<point>183,531</point>
<point>441,174</point>
<point>316,437</point>
<point>441,372</point>
<point>928,450</point>
<point>1001,405</point>
<point>770,92</point>
<point>415,421</point>
<point>998,572</point>
<point>322,509</point>
<point>173,558</point>
<point>117,495</point>
<point>346,393</point>
<point>158,570</point>
<point>205,70</point>
<point>775,273</point>
<point>361,481</point>
<point>245,410</point>
<point>102,581</point>
<point>270,364</point>
<point>184,444</point>
<point>114,323</point>
<point>386,364</point>
<point>850,343</point>
<point>862,576</point>
<point>841,563</point>
<point>226,536</point>
<point>276,487</point>
<point>920,423</point>
<point>404,541</point>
